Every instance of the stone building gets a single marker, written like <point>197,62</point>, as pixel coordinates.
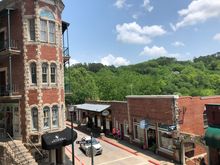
<point>32,60</point>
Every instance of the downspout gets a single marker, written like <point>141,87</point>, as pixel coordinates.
<point>9,47</point>
<point>129,120</point>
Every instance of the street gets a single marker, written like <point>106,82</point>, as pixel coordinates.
<point>112,155</point>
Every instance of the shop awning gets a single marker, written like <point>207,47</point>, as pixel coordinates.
<point>58,139</point>
<point>92,107</point>
<point>212,137</point>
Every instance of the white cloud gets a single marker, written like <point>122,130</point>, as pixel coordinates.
<point>147,6</point>
<point>73,61</point>
<point>134,33</point>
<point>178,44</point>
<point>112,60</point>
<point>198,11</point>
<point>120,3</point>
<point>156,52</point>
<point>217,37</point>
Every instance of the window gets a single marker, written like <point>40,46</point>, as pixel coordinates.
<point>34,114</point>
<point>47,22</point>
<point>46,111</point>
<point>44,73</point>
<point>43,30</point>
<point>51,32</point>
<point>53,73</point>
<point>126,128</point>
<point>166,140</point>
<point>33,73</point>
<point>55,116</point>
<point>31,23</point>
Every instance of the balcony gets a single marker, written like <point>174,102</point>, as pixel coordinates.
<point>11,47</point>
<point>66,55</point>
<point>5,90</point>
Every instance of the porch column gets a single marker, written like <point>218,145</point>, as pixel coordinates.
<point>9,47</point>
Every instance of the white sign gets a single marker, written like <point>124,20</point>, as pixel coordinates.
<point>105,113</point>
<point>143,124</point>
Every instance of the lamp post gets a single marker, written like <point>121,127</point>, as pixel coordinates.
<point>71,109</point>
<point>92,158</point>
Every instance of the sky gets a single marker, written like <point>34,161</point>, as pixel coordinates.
<point>124,32</point>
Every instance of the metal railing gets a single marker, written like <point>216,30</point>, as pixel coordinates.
<point>5,90</point>
<point>6,44</point>
<point>15,156</point>
<point>32,144</point>
<point>66,52</point>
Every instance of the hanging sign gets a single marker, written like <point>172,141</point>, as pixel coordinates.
<point>105,113</point>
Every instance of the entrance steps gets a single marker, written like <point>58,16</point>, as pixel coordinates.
<point>18,153</point>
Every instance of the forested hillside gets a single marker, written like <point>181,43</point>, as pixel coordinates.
<point>162,76</point>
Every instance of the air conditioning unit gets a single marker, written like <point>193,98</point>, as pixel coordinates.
<point>34,138</point>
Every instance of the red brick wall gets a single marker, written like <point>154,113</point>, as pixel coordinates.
<point>31,52</point>
<point>50,96</point>
<point>119,111</point>
<point>154,109</point>
<point>33,97</point>
<point>192,120</point>
<point>48,52</point>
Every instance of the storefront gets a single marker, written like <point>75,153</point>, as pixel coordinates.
<point>55,144</point>
<point>96,116</point>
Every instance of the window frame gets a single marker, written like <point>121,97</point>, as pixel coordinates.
<point>53,73</point>
<point>31,29</point>
<point>34,128</point>
<point>46,29</point>
<point>55,116</point>
<point>46,109</point>
<point>33,71</point>
<point>44,68</point>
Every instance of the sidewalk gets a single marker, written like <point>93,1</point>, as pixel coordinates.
<point>129,147</point>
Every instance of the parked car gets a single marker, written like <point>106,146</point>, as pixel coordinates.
<point>85,145</point>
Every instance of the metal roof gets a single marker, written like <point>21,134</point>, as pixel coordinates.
<point>92,107</point>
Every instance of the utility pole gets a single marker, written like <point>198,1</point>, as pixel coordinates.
<point>92,158</point>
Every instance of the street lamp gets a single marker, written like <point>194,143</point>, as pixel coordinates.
<point>71,110</point>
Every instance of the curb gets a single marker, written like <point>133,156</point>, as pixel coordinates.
<point>74,156</point>
<point>134,153</point>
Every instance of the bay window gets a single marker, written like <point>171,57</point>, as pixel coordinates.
<point>34,114</point>
<point>46,117</point>
<point>55,116</point>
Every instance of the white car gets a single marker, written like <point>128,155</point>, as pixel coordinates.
<point>85,145</point>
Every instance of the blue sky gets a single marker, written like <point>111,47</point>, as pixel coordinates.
<point>122,32</point>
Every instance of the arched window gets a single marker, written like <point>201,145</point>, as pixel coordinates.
<point>46,111</point>
<point>44,73</point>
<point>55,116</point>
<point>34,114</point>
<point>47,26</point>
<point>53,73</point>
<point>33,73</point>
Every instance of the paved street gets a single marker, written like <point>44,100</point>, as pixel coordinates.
<point>113,154</point>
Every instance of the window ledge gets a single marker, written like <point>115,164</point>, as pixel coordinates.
<point>164,150</point>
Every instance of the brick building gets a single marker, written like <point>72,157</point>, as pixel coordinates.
<point>32,60</point>
<point>212,135</point>
<point>170,125</point>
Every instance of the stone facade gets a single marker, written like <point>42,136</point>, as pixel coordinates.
<point>39,94</point>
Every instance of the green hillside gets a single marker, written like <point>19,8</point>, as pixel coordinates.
<point>162,76</point>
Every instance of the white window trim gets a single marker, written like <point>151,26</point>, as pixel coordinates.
<point>32,121</point>
<point>47,77</point>
<point>48,127</point>
<point>55,126</point>
<point>160,147</point>
<point>48,31</point>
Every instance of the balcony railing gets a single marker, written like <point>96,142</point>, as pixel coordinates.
<point>66,52</point>
<point>4,45</point>
<point>5,90</point>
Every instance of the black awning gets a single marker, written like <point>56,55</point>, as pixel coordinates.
<point>58,139</point>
